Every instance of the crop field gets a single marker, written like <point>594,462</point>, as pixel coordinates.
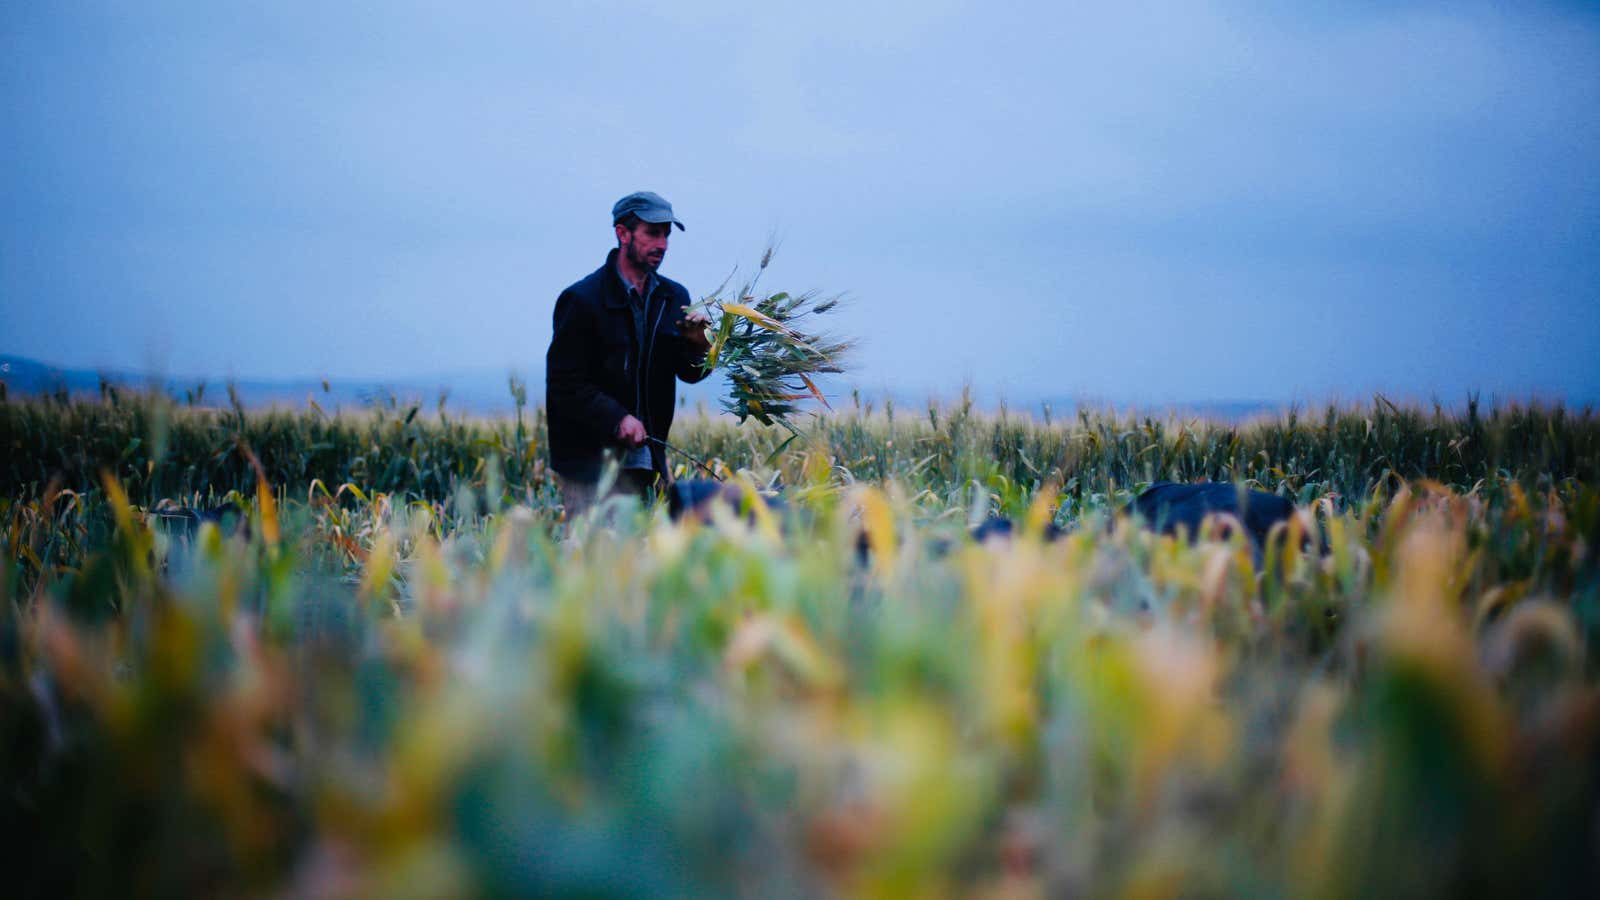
<point>395,668</point>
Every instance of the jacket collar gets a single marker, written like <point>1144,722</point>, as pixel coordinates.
<point>614,293</point>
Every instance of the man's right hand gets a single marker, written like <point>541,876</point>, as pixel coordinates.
<point>631,431</point>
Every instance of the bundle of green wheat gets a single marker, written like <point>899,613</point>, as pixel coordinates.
<point>771,357</point>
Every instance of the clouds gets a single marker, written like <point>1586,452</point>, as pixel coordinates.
<point>303,189</point>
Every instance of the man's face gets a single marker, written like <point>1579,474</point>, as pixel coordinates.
<point>645,244</point>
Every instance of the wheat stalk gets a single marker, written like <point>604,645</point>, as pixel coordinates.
<point>767,348</point>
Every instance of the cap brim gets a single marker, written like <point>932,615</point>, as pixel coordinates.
<point>645,217</point>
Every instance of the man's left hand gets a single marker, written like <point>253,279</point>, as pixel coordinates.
<point>694,326</point>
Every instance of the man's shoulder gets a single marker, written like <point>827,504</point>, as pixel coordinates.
<point>589,285</point>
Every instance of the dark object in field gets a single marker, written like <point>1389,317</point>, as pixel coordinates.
<point>229,518</point>
<point>691,495</point>
<point>696,497</point>
<point>1167,506</point>
<point>1001,528</point>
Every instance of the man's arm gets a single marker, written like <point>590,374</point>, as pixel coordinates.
<point>569,393</point>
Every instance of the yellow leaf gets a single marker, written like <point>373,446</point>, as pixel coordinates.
<point>877,520</point>
<point>765,321</point>
<point>269,511</point>
<point>120,507</point>
<point>816,393</point>
<point>724,329</point>
<point>380,566</point>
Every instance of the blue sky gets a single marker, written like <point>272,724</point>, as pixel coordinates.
<point>1129,202</point>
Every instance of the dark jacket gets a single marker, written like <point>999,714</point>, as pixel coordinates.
<point>594,375</point>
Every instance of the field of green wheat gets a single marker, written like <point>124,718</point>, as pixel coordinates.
<point>398,670</point>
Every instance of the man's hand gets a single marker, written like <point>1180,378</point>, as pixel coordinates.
<point>631,431</point>
<point>693,328</point>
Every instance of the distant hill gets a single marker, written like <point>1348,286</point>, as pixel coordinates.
<point>484,393</point>
<point>479,393</point>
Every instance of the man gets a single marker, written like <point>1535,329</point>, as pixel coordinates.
<point>621,337</point>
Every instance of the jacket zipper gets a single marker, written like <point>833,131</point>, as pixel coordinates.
<point>641,399</point>
<point>649,350</point>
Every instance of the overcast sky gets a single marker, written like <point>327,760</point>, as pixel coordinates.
<point>1137,202</point>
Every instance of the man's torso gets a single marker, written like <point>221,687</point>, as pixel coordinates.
<point>636,366</point>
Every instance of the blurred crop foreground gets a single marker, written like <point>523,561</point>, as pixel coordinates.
<point>288,653</point>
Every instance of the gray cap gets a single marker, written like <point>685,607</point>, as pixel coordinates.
<point>647,205</point>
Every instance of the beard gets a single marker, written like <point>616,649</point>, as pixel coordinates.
<point>643,260</point>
